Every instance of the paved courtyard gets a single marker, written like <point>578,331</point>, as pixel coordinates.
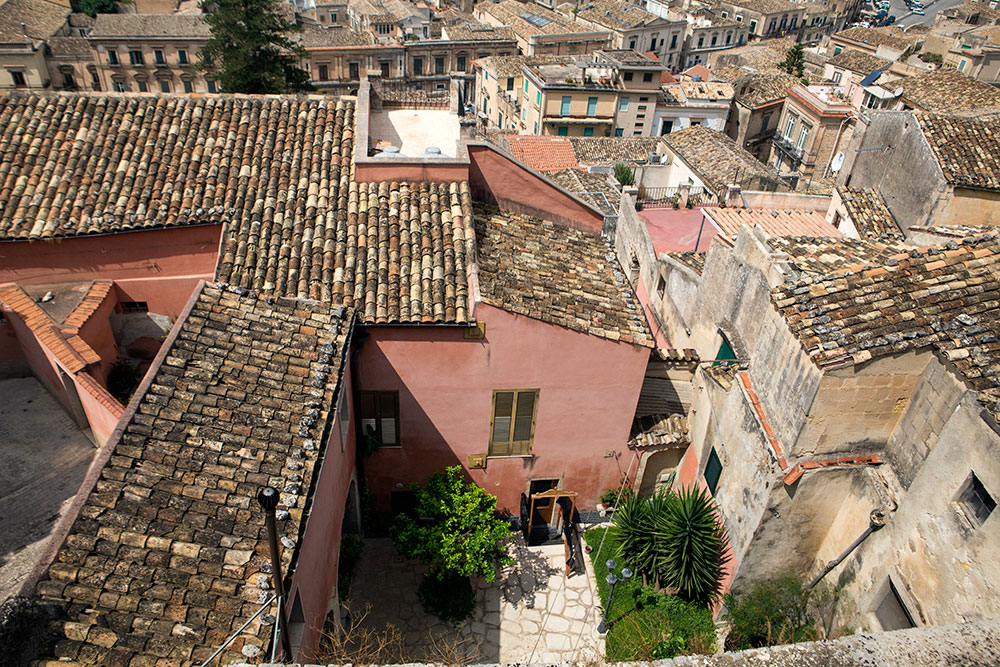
<point>533,612</point>
<point>45,457</point>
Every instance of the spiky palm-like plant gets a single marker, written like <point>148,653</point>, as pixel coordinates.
<point>634,526</point>
<point>692,545</point>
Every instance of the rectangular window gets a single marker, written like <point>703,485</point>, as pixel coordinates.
<point>563,131</point>
<point>510,83</point>
<point>380,416</point>
<point>135,307</point>
<point>591,106</point>
<point>439,65</point>
<point>513,423</point>
<point>837,74</point>
<point>715,39</point>
<point>188,86</point>
<point>566,107</point>
<point>538,101</point>
<point>803,134</point>
<point>19,79</point>
<point>182,56</point>
<point>627,76</point>
<point>211,85</point>
<point>158,57</point>
<point>588,131</point>
<point>353,71</point>
<point>673,42</point>
<point>418,66</point>
<point>164,86</point>
<point>135,57</point>
<point>753,28</point>
<point>384,68</point>
<point>142,86</point>
<point>525,85</point>
<point>975,501</point>
<point>112,57</point>
<point>837,50</point>
<point>764,122</point>
<point>789,126</point>
<point>324,73</point>
<point>119,86</point>
<point>892,613</point>
<point>619,131</point>
<point>460,63</point>
<point>701,41</point>
<point>344,416</point>
<point>961,65</point>
<point>623,104</point>
<point>647,77</point>
<point>713,471</point>
<point>772,26</point>
<point>667,127</point>
<point>95,81</point>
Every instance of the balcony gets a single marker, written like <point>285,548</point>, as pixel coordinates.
<point>762,136</point>
<point>788,147</point>
<point>512,100</point>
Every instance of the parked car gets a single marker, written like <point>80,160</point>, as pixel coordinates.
<point>919,11</point>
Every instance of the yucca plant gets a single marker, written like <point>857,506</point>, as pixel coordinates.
<point>634,528</point>
<point>692,546</point>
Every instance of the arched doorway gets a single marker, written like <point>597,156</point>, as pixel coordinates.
<point>657,468</point>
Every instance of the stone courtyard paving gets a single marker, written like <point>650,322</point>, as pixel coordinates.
<point>533,612</point>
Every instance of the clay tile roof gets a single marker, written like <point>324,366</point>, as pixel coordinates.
<point>969,8</point>
<point>70,47</point>
<point>858,61</point>
<point>813,256</point>
<point>758,89</point>
<point>967,149</point>
<point>42,19</point>
<point>164,556</point>
<point>716,158</point>
<point>952,232</point>
<point>543,153</point>
<point>173,26</point>
<point>772,222</point>
<point>592,188</point>
<point>605,151</point>
<point>543,21</point>
<point>659,431</point>
<point>395,251</point>
<point>615,14</point>
<point>692,259</point>
<point>948,91</point>
<point>892,37</point>
<point>95,164</point>
<point>476,32</point>
<point>767,6</point>
<point>869,213</point>
<point>557,274</point>
<point>316,37</point>
<point>512,65</point>
<point>947,297</point>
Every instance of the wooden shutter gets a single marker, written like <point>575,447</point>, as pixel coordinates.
<point>503,409</point>
<point>389,417</point>
<point>713,470</point>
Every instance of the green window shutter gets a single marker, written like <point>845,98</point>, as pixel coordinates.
<point>567,103</point>
<point>563,131</point>
<point>725,352</point>
<point>591,106</point>
<point>588,131</point>
<point>713,470</point>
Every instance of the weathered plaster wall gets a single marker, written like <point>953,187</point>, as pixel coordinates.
<point>945,567</point>
<point>589,388</point>
<point>970,207</point>
<point>907,174</point>
<point>319,558</point>
<point>932,403</point>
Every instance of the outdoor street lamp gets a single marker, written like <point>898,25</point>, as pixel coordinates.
<point>612,579</point>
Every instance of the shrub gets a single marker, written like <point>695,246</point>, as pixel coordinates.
<point>624,174</point>
<point>694,546</point>
<point>610,498</point>
<point>450,598</point>
<point>23,630</point>
<point>769,613</point>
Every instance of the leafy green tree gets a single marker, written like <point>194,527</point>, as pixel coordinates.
<point>794,62</point>
<point>769,613</point>
<point>250,49</point>
<point>458,531</point>
<point>95,7</point>
<point>624,174</point>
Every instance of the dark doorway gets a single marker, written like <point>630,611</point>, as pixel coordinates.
<point>544,507</point>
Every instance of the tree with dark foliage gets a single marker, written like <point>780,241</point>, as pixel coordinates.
<point>250,50</point>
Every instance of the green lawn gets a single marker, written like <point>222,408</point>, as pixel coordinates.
<point>644,624</point>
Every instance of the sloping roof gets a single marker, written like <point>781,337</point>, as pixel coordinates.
<point>604,151</point>
<point>395,251</point>
<point>543,21</point>
<point>946,297</point>
<point>557,274</point>
<point>969,8</point>
<point>772,222</point>
<point>174,26</point>
<point>767,6</point>
<point>659,430</point>
<point>698,70</point>
<point>512,65</point>
<point>716,158</point>
<point>967,149</point>
<point>592,188</point>
<point>95,164</point>
<point>70,47</point>
<point>41,19</point>
<point>316,37</point>
<point>812,256</point>
<point>694,260</point>
<point>869,213</point>
<point>858,61</point>
<point>477,32</point>
<point>707,90</point>
<point>758,89</point>
<point>948,91</point>
<point>891,37</point>
<point>162,560</point>
<point>615,14</point>
<point>543,153</point>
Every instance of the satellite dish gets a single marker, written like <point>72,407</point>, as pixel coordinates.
<point>837,163</point>
<point>897,92</point>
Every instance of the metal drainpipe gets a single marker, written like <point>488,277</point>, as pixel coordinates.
<point>876,520</point>
<point>268,499</point>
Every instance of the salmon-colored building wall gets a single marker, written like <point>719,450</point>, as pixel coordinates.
<point>494,177</point>
<point>375,171</point>
<point>160,266</point>
<point>97,333</point>
<point>319,558</point>
<point>12,361</point>
<point>43,364</point>
<point>101,408</point>
<point>589,387</point>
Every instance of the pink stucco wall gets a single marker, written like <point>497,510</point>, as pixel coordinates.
<point>495,177</point>
<point>101,408</point>
<point>43,363</point>
<point>316,571</point>
<point>589,387</point>
<point>435,172</point>
<point>160,266</point>
<point>97,333</point>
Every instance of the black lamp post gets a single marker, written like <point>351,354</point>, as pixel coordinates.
<point>612,579</point>
<point>268,499</point>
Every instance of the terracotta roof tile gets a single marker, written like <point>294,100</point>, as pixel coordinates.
<point>397,252</point>
<point>68,348</point>
<point>967,149</point>
<point>174,26</point>
<point>592,188</point>
<point>772,222</point>
<point>716,158</point>
<point>757,89</point>
<point>947,297</point>
<point>557,274</point>
<point>692,259</point>
<point>162,561</point>
<point>39,20</point>
<point>874,37</point>
<point>858,61</point>
<point>812,256</point>
<point>659,431</point>
<point>615,15</point>
<point>543,153</point>
<point>608,151</point>
<point>869,213</point>
<point>948,91</point>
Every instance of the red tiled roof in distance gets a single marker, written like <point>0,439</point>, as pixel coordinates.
<point>543,153</point>
<point>774,223</point>
<point>698,70</point>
